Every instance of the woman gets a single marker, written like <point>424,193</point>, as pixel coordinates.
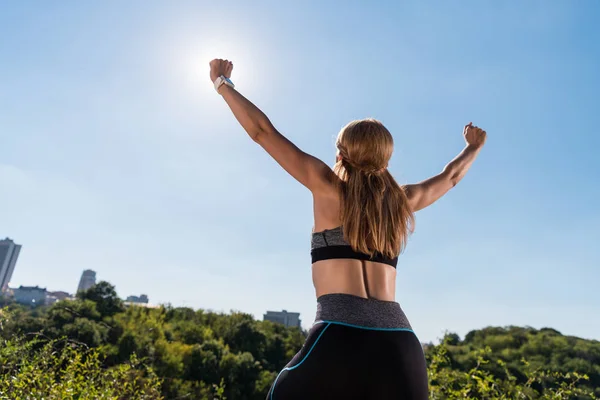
<point>361,345</point>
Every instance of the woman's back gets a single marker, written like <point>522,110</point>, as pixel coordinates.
<point>362,217</point>
<point>361,278</point>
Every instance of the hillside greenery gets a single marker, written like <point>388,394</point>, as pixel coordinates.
<point>96,348</point>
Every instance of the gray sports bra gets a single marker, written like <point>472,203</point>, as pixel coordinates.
<point>330,244</point>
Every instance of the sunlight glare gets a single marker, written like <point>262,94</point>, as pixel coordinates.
<point>197,58</point>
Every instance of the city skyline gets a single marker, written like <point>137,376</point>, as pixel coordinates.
<point>36,295</point>
<point>118,156</point>
<point>28,294</point>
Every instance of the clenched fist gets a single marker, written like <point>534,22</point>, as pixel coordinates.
<point>474,136</point>
<point>220,67</point>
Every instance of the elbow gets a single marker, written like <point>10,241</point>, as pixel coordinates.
<point>254,134</point>
<point>255,131</point>
<point>262,131</point>
<point>258,135</point>
<point>451,175</point>
<point>455,178</point>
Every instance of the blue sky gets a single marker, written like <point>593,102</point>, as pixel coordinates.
<point>117,155</point>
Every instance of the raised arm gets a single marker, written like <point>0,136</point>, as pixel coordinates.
<point>427,192</point>
<point>306,169</point>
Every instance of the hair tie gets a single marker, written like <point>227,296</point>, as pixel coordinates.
<point>346,160</point>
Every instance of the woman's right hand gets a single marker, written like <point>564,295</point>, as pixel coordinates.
<point>474,136</point>
<point>220,67</point>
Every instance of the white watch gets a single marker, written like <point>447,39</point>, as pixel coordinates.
<point>222,80</point>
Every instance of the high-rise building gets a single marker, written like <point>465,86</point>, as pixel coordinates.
<point>289,319</point>
<point>88,279</point>
<point>9,252</point>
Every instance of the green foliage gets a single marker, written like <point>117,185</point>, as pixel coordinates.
<point>94,347</point>
<point>105,297</point>
<point>61,370</point>
<point>464,371</point>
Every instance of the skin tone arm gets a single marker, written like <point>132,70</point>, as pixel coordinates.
<point>315,174</point>
<point>427,192</point>
<point>306,169</point>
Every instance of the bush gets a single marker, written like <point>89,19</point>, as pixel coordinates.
<point>63,370</point>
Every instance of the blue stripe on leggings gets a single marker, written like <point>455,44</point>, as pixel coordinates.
<point>297,365</point>
<point>363,327</point>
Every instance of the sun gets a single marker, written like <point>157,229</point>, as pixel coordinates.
<point>197,58</point>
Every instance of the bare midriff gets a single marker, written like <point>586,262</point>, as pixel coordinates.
<point>359,278</point>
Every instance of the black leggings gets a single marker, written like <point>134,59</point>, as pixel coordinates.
<point>347,361</point>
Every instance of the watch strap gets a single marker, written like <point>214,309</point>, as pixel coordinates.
<point>221,80</point>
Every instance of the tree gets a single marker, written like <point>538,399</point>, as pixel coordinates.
<point>203,362</point>
<point>241,372</point>
<point>105,297</point>
<point>59,369</point>
<point>197,354</point>
<point>478,383</point>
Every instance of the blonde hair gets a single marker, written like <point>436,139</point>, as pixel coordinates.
<point>375,213</point>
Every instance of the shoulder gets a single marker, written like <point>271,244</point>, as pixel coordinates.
<point>326,183</point>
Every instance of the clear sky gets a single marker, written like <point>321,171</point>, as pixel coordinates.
<point>117,155</point>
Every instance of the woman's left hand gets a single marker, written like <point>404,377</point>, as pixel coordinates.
<point>220,67</point>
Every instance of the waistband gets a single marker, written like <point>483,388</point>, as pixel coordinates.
<point>355,311</point>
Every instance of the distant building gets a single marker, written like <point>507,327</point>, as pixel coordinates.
<point>9,253</point>
<point>60,295</point>
<point>144,305</point>
<point>53,297</point>
<point>30,295</point>
<point>88,279</point>
<point>143,299</point>
<point>289,319</point>
<point>139,301</point>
